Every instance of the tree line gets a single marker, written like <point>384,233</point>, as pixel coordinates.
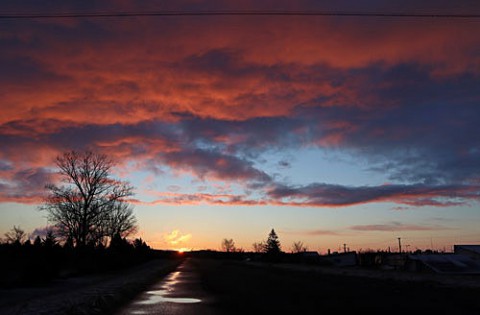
<point>90,217</point>
<point>25,261</point>
<point>270,246</point>
<point>269,250</point>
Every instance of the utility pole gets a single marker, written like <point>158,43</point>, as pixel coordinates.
<point>344,248</point>
<point>399,244</point>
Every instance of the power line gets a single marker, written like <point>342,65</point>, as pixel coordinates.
<point>60,15</point>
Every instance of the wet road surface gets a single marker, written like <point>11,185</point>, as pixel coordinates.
<point>180,292</point>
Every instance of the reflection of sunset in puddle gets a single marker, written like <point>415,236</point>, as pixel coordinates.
<point>171,281</point>
<point>159,296</point>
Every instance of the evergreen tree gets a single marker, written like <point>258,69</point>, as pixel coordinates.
<point>50,240</point>
<point>119,244</point>
<point>68,245</point>
<point>37,243</point>
<point>140,244</point>
<point>273,246</point>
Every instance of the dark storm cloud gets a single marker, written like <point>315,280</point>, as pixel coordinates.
<point>26,186</point>
<point>249,136</point>
<point>424,132</point>
<point>4,166</point>
<point>337,195</point>
<point>22,70</point>
<point>209,163</point>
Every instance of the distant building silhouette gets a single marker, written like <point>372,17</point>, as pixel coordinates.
<point>464,260</point>
<point>343,259</point>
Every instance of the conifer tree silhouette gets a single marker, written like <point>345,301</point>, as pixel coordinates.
<point>273,246</point>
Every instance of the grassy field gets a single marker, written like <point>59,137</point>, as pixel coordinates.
<point>262,289</point>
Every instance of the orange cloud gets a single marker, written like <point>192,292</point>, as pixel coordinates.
<point>127,73</point>
<point>176,238</point>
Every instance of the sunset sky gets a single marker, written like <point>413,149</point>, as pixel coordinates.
<point>331,129</point>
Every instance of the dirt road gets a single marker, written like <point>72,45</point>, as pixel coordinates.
<point>181,292</point>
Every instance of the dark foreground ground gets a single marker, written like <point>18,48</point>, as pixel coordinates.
<point>262,289</point>
<point>234,287</point>
<point>87,295</point>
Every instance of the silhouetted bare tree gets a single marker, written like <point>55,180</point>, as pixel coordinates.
<point>90,206</point>
<point>228,245</point>
<point>120,220</point>
<point>259,247</point>
<point>298,247</point>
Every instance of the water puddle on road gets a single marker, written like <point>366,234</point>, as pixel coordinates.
<point>158,296</point>
<point>161,296</point>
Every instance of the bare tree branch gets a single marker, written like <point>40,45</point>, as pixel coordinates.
<point>90,206</point>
